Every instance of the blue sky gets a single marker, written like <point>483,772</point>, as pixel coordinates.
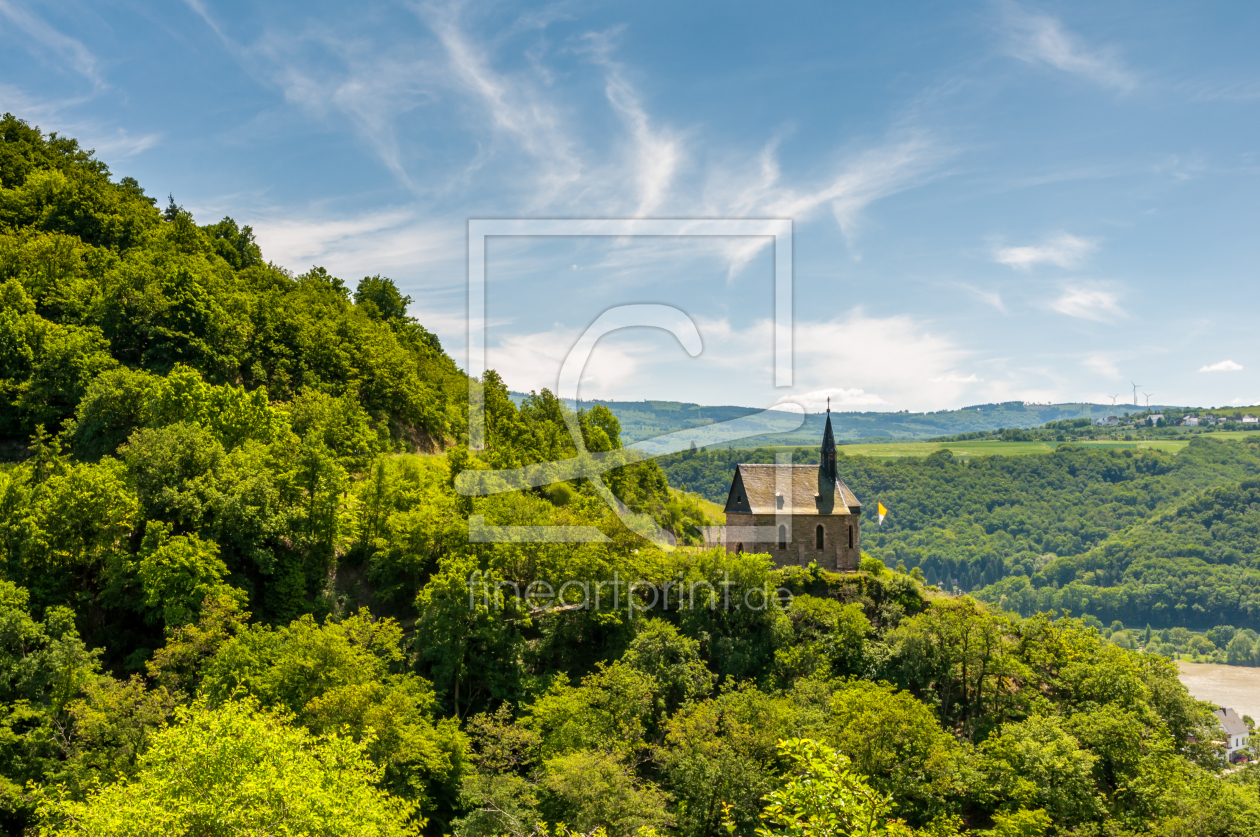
<point>990,201</point>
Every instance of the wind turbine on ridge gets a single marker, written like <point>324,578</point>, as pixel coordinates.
<point>1113,399</point>
<point>1135,386</point>
<point>1148,399</point>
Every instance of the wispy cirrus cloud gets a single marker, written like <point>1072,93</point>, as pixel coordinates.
<point>56,115</point>
<point>1062,250</point>
<point>115,144</point>
<point>992,298</point>
<point>535,143</point>
<point>1089,304</point>
<point>527,130</point>
<point>1223,366</point>
<point>376,241</point>
<point>70,50</point>
<point>865,178</point>
<point>756,188</point>
<point>516,105</point>
<point>656,153</point>
<point>1043,40</point>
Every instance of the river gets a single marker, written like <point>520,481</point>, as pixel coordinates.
<point>1235,686</point>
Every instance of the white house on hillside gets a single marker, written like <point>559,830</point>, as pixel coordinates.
<point>1237,736</point>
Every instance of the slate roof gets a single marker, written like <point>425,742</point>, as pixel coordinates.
<point>759,483</point>
<point>1231,722</point>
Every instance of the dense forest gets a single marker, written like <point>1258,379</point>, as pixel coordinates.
<point>238,593</point>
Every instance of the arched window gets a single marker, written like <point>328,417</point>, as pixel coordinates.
<point>850,536</point>
<point>818,537</point>
<point>739,547</point>
<point>782,537</point>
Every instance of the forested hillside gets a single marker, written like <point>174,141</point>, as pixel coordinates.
<point>238,593</point>
<point>1193,564</point>
<point>646,419</point>
<point>1117,534</point>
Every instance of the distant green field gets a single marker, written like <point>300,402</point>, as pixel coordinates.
<point>1252,435</point>
<point>968,449</point>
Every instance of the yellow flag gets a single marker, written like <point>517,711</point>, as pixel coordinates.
<point>881,511</point>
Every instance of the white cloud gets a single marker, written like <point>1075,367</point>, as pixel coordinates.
<point>200,9</point>
<point>1103,366</point>
<point>861,362</point>
<point>954,378</point>
<point>1223,366</point>
<point>1063,250</point>
<point>621,363</point>
<point>869,360</point>
<point>1041,39</point>
<point>1089,304</point>
<point>820,399</point>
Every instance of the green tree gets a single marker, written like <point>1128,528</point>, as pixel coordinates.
<point>113,406</point>
<point>672,661</point>
<point>611,710</point>
<point>589,789</point>
<point>960,654</point>
<point>70,536</point>
<point>896,742</point>
<point>44,669</point>
<point>823,797</point>
<point>827,638</point>
<point>178,573</point>
<point>1241,650</point>
<point>720,757</point>
<point>345,677</point>
<point>379,298</point>
<point>1037,764</point>
<point>233,770</point>
<point>463,635</point>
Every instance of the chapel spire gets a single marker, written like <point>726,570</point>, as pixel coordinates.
<point>829,448</point>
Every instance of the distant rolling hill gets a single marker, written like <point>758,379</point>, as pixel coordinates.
<point>646,419</point>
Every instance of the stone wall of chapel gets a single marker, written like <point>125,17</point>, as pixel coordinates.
<point>801,550</point>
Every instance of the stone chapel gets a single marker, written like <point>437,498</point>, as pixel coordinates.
<point>796,513</point>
